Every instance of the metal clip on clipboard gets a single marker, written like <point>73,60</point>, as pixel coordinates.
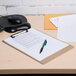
<point>23,29</point>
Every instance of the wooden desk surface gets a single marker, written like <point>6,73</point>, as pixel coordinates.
<point>13,61</point>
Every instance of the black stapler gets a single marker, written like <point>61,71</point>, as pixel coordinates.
<point>13,23</point>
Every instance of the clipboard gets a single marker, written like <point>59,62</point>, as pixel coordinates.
<point>48,25</point>
<point>53,49</point>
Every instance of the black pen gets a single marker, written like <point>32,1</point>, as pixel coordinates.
<point>44,44</point>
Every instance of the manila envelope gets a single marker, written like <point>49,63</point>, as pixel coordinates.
<point>48,25</point>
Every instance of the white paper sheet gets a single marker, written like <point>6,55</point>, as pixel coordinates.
<point>55,21</point>
<point>66,27</point>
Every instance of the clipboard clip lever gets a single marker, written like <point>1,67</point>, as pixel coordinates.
<point>20,29</point>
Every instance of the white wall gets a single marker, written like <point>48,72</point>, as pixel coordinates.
<point>37,7</point>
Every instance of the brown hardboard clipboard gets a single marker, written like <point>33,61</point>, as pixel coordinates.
<point>49,58</point>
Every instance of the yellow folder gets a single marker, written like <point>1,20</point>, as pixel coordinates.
<point>48,24</point>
